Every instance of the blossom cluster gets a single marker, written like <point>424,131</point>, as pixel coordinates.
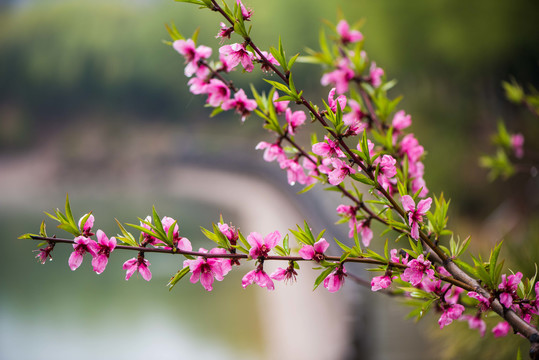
<point>366,149</point>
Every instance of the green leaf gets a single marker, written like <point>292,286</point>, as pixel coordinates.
<point>179,275</point>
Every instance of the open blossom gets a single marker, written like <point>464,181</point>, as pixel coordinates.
<point>387,166</point>
<point>501,329</point>
<point>394,253</point>
<point>335,280</point>
<point>225,31</point>
<point>315,251</point>
<point>217,92</point>
<point>272,151</point>
<point>450,312</point>
<point>509,286</point>
<point>197,85</point>
<point>288,274</point>
<point>347,36</point>
<point>229,231</point>
<point>484,303</point>
<point>261,247</point>
<point>270,59</point>
<point>353,119</point>
<point>208,269</point>
<point>517,143</point>
<point>294,171</point>
<point>193,55</point>
<point>81,247</point>
<point>375,75</point>
<point>294,120</point>
<point>401,120</point>
<point>363,228</point>
<point>102,250</point>
<point>417,268</point>
<point>475,322</point>
<point>241,104</point>
<point>340,171</point>
<point>339,77</point>
<point>246,13</point>
<point>259,277</point>
<point>45,253</point>
<point>410,147</point>
<point>86,228</point>
<point>332,102</point>
<point>327,148</point>
<point>415,214</point>
<point>236,54</point>
<point>380,282</point>
<point>147,238</point>
<point>179,242</point>
<point>139,264</point>
<point>346,210</point>
<point>280,106</point>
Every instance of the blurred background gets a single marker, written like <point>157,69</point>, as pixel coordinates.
<point>93,104</point>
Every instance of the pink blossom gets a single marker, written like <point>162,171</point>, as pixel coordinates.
<point>375,75</point>
<point>139,264</point>
<point>415,215</point>
<point>86,228</point>
<point>509,286</point>
<point>288,274</point>
<point>259,277</point>
<point>335,280</point>
<point>270,60</point>
<point>272,151</point>
<point>310,165</point>
<point>261,247</point>
<point>225,31</point>
<point>475,322</point>
<point>193,56</point>
<point>339,77</point>
<point>363,228</point>
<point>238,54</point>
<point>147,238</point>
<point>246,13</point>
<point>410,147</point>
<point>315,251</point>
<point>102,250</point>
<point>45,253</point>
<point>241,104</point>
<point>387,166</point>
<point>217,92</point>
<point>401,120</point>
<point>332,102</point>
<point>198,85</point>
<point>417,268</point>
<point>396,259</point>
<point>517,143</point>
<point>346,210</point>
<point>418,183</point>
<point>280,106</point>
<point>294,120</point>
<point>340,171</point>
<point>353,119</point>
<point>327,148</point>
<point>225,64</point>
<point>484,303</point>
<point>206,269</point>
<point>229,231</point>
<point>380,282</point>
<point>81,246</point>
<point>294,171</point>
<point>450,313</point>
<point>347,36</point>
<point>501,329</point>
